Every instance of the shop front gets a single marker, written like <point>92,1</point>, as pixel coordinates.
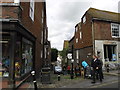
<point>108,51</point>
<point>18,57</point>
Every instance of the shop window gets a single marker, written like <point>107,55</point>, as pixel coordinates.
<point>27,56</point>
<point>5,59</point>
<point>110,52</point>
<point>18,57</point>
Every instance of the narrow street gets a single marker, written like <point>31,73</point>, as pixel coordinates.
<point>108,82</point>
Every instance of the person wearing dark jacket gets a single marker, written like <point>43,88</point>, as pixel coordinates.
<point>96,67</point>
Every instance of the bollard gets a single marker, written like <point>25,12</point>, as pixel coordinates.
<point>107,67</point>
<point>58,77</point>
<point>34,80</point>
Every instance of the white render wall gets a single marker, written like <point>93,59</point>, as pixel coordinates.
<point>118,51</point>
<point>99,47</point>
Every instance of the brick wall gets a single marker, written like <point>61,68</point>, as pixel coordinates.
<point>35,27</point>
<point>9,12</point>
<point>103,31</point>
<point>86,29</point>
<point>84,54</point>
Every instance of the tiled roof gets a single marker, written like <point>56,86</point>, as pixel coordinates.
<point>104,15</point>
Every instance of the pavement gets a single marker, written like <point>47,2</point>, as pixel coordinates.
<point>112,72</point>
<point>65,80</point>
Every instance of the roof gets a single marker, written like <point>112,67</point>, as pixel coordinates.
<point>71,39</point>
<point>104,15</point>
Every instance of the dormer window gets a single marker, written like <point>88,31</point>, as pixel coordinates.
<point>16,1</point>
<point>76,28</point>
<point>84,19</point>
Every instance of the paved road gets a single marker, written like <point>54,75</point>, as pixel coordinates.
<point>108,82</point>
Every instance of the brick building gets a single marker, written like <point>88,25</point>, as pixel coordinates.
<point>24,41</point>
<point>97,33</point>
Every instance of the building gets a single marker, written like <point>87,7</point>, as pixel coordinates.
<point>98,33</point>
<point>24,40</point>
<point>66,44</point>
<point>71,45</point>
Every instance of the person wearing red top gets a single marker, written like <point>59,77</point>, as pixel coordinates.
<point>68,69</point>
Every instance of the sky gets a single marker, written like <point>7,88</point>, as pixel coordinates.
<point>63,15</point>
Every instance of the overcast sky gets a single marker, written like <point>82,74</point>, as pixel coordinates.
<point>63,15</point>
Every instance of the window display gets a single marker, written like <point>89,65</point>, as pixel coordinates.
<point>23,56</point>
<point>27,56</point>
<point>5,60</point>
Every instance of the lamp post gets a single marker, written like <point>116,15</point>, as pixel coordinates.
<point>72,74</point>
<point>46,45</point>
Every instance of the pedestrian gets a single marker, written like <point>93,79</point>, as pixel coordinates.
<point>97,73</point>
<point>102,69</point>
<point>64,69</point>
<point>82,72</point>
<point>76,71</point>
<point>96,68</point>
<point>68,69</point>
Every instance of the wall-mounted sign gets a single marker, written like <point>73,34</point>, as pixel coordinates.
<point>109,42</point>
<point>114,57</point>
<point>69,55</point>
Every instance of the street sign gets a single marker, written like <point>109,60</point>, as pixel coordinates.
<point>69,55</point>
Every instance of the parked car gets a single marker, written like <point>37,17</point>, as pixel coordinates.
<point>57,70</point>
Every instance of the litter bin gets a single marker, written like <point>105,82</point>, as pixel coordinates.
<point>45,75</point>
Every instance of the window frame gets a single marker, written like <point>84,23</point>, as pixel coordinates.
<point>113,26</point>
<point>32,9</point>
<point>17,1</point>
<point>77,54</point>
<point>76,40</point>
<point>84,19</point>
<point>80,35</point>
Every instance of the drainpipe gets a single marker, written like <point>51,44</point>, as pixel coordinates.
<point>93,37</point>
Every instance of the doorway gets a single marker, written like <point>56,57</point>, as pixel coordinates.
<point>109,52</point>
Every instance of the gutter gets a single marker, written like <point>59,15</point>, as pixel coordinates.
<point>93,37</point>
<point>9,20</point>
<point>105,20</point>
<point>11,5</point>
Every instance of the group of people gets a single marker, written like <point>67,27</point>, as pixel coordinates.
<point>95,69</point>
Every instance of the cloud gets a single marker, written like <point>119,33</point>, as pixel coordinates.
<point>63,15</point>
